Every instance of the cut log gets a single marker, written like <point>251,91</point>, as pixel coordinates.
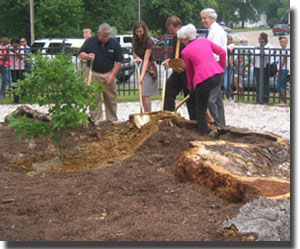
<point>30,113</point>
<point>238,171</point>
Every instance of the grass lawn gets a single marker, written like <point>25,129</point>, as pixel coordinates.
<point>132,96</point>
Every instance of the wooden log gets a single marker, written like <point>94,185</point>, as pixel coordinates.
<point>238,171</point>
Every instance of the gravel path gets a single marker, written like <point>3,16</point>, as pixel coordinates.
<point>255,117</point>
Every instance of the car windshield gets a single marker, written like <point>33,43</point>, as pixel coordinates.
<point>127,39</point>
<point>278,26</point>
<point>37,46</point>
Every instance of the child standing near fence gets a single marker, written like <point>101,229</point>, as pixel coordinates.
<point>240,69</point>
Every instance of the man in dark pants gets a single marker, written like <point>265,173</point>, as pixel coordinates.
<point>177,81</point>
<point>217,35</point>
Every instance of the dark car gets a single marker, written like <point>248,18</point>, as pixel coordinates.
<point>163,49</point>
<point>280,29</point>
<point>127,68</point>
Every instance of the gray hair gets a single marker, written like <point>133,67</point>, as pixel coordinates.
<point>105,28</point>
<point>211,13</point>
<point>188,31</point>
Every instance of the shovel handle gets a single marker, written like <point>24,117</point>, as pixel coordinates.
<point>139,85</point>
<point>182,102</point>
<point>177,49</point>
<point>90,72</point>
<point>164,91</point>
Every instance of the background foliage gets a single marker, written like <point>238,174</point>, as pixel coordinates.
<point>67,18</point>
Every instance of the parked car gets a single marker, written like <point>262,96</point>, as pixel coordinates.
<point>239,40</point>
<point>163,49</point>
<point>280,29</point>
<point>127,68</point>
<point>53,46</point>
<point>125,41</point>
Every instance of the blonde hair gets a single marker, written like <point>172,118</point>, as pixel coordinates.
<point>188,31</point>
<point>87,30</point>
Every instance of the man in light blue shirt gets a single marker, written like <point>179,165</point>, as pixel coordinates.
<point>217,35</point>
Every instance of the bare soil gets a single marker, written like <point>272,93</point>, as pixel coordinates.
<point>117,184</point>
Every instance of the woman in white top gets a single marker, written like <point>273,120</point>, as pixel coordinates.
<point>17,63</point>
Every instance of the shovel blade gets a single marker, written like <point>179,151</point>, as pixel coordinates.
<point>140,120</point>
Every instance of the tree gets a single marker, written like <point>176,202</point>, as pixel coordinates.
<point>118,13</point>
<point>54,82</point>
<point>14,18</point>
<point>60,18</point>
<point>156,12</point>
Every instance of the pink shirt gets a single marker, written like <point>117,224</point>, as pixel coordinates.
<point>5,59</point>
<point>200,62</point>
<point>17,59</point>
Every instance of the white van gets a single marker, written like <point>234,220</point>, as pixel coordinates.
<point>125,41</point>
<point>53,46</point>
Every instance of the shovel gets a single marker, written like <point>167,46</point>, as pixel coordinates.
<point>140,119</point>
<point>163,90</point>
<point>182,102</point>
<point>176,63</point>
<point>90,72</point>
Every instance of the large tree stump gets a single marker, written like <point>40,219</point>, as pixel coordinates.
<point>239,166</point>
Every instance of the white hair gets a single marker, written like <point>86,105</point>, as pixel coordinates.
<point>188,31</point>
<point>211,13</point>
<point>105,28</point>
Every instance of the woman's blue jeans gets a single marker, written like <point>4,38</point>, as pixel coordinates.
<point>6,79</point>
<point>227,79</point>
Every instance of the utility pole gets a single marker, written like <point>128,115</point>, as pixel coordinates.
<point>139,10</point>
<point>32,37</point>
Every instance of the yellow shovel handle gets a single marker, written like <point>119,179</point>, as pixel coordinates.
<point>164,91</point>
<point>90,72</point>
<point>182,102</point>
<point>139,85</point>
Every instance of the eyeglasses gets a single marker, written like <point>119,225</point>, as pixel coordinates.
<point>22,41</point>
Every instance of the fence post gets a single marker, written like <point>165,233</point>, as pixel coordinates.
<point>261,74</point>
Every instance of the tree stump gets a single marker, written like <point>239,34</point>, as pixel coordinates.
<point>239,165</point>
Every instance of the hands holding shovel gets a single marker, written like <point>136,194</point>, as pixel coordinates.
<point>138,63</point>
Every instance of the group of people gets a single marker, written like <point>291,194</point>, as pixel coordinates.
<point>237,66</point>
<point>13,63</point>
<point>205,66</point>
<point>205,60</point>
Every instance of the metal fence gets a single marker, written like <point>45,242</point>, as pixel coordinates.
<point>248,76</point>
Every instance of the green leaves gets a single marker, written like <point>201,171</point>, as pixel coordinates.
<point>67,18</point>
<point>55,83</point>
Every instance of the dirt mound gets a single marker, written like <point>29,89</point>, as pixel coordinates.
<point>117,183</point>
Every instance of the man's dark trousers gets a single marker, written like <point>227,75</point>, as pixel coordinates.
<point>215,104</point>
<point>175,83</point>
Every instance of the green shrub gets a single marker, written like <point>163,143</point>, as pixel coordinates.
<point>55,83</point>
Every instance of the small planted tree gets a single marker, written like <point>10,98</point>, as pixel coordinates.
<point>54,82</point>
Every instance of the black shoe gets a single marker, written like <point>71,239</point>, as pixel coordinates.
<point>213,123</point>
<point>91,121</point>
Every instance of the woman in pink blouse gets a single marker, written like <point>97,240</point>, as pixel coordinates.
<point>17,63</point>
<point>203,71</point>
